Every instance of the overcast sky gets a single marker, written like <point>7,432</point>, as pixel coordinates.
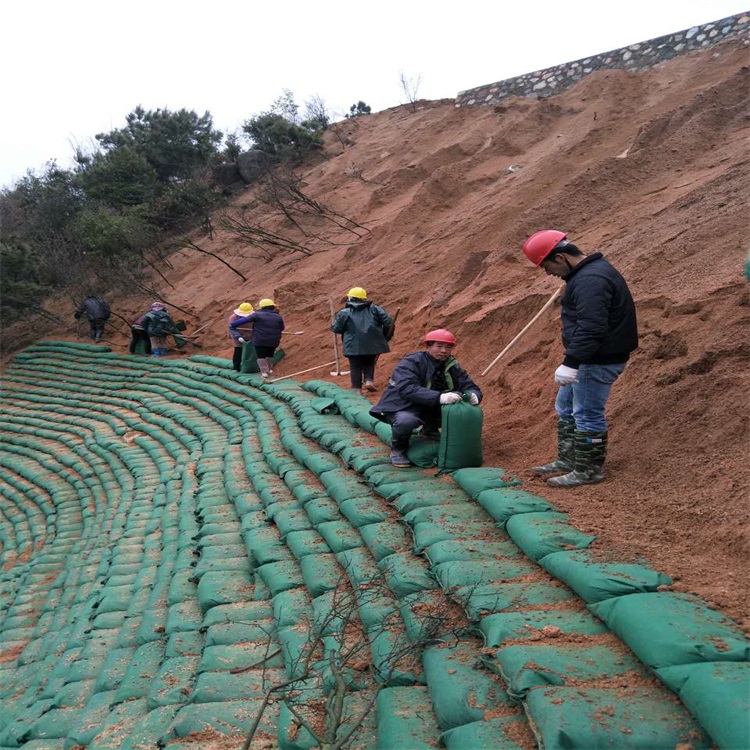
<point>74,68</point>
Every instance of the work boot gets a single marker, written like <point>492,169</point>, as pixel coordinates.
<point>591,451</point>
<point>164,352</point>
<point>399,459</point>
<point>566,450</point>
<point>156,353</point>
<point>370,386</point>
<point>263,367</point>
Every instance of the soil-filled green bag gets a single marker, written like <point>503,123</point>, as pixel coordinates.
<point>477,601</point>
<point>504,626</point>
<point>405,719</point>
<point>718,695</point>
<point>423,452</point>
<point>249,362</point>
<point>486,733</point>
<point>527,667</point>
<point>461,436</point>
<point>666,629</point>
<point>622,718</point>
<point>595,580</point>
<point>461,690</point>
<point>228,718</point>
<point>540,534</point>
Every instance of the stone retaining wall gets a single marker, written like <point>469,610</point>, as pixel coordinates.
<point>640,56</point>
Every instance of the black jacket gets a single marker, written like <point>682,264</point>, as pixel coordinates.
<point>267,326</point>
<point>94,308</point>
<point>411,381</point>
<point>364,327</point>
<point>598,315</point>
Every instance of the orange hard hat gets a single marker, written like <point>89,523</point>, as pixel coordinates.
<point>442,335</point>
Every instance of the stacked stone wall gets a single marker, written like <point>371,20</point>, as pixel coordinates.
<point>640,56</point>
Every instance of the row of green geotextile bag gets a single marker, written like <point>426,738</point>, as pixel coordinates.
<point>698,653</point>
<point>239,526</point>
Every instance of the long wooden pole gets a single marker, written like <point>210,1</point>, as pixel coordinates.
<point>335,344</point>
<point>301,372</point>
<point>547,304</point>
<point>392,328</point>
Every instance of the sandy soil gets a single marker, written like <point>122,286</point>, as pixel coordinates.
<point>649,167</point>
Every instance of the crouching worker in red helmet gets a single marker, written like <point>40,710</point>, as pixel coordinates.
<point>599,332</point>
<point>420,385</point>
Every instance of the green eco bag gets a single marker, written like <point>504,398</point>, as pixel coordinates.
<point>718,695</point>
<point>461,436</point>
<point>249,361</point>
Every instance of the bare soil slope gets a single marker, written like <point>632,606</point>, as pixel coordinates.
<point>651,168</point>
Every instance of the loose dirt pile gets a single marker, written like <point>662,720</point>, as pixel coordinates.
<point>649,167</point>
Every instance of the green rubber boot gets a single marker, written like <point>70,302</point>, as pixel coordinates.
<point>591,451</point>
<point>566,450</point>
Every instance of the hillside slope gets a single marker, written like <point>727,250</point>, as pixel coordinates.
<point>651,168</point>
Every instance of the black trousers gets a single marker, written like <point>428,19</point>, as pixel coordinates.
<point>362,366</point>
<point>97,328</point>
<point>237,358</point>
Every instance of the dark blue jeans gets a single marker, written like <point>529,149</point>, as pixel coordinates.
<point>584,401</point>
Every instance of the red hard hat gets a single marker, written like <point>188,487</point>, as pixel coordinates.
<point>541,244</point>
<point>445,337</point>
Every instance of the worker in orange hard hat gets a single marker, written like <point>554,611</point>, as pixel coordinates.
<point>599,331</point>
<point>366,329</point>
<point>421,384</point>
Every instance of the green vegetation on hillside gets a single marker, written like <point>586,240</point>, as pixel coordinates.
<point>101,224</point>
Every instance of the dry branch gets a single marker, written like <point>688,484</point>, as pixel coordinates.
<point>199,249</point>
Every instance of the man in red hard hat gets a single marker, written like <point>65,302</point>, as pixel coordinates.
<point>420,385</point>
<point>599,331</point>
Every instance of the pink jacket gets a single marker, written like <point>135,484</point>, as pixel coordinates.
<point>245,331</point>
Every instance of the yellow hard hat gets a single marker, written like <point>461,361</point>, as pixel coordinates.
<point>266,303</point>
<point>244,309</point>
<point>357,293</point>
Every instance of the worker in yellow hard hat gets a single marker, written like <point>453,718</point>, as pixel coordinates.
<point>366,329</point>
<point>267,328</point>
<point>245,332</point>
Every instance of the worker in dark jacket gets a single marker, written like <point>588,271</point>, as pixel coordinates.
<point>599,331</point>
<point>97,313</point>
<point>268,325</point>
<point>241,335</point>
<point>421,384</point>
<point>365,329</point>
<point>158,324</point>
<point>139,339</point>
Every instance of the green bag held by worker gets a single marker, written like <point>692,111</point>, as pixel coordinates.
<point>249,362</point>
<point>461,438</point>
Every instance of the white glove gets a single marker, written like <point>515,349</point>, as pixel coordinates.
<point>240,339</point>
<point>449,398</point>
<point>565,375</point>
<point>473,399</point>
